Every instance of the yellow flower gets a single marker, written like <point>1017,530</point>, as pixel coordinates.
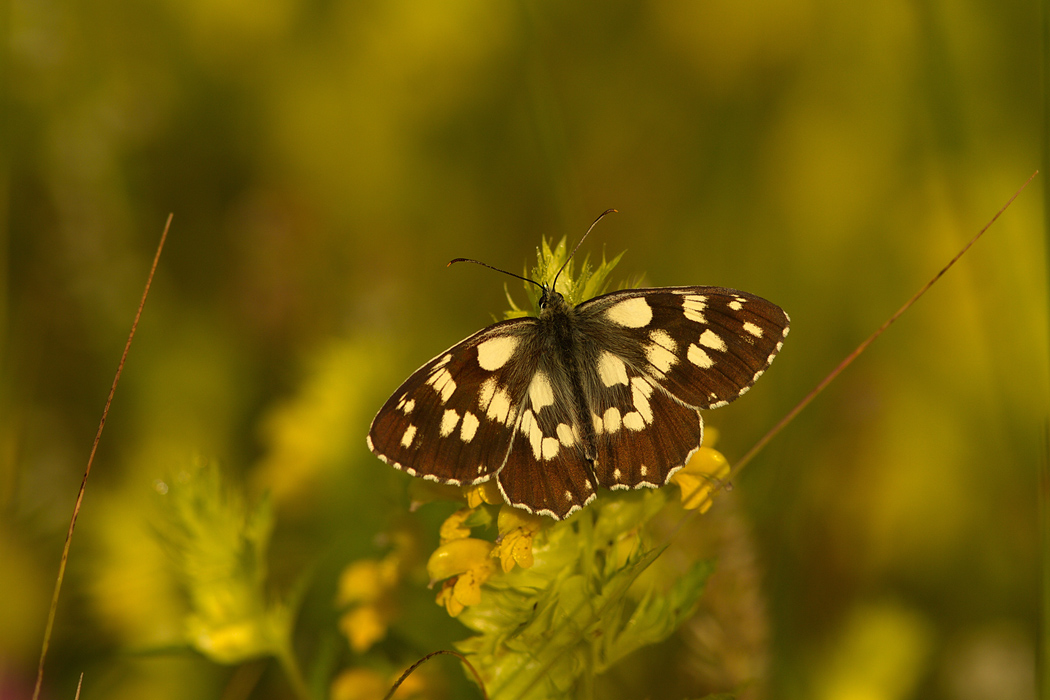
<point>485,492</point>
<point>452,528</point>
<point>467,564</point>
<point>366,684</point>
<point>516,528</point>
<point>363,626</point>
<point>705,473</point>
<point>359,684</point>
<point>446,599</point>
<point>364,581</point>
<point>456,557</point>
<point>368,585</point>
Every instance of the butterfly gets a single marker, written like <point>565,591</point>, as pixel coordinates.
<point>606,393</point>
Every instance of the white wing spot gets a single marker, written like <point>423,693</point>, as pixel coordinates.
<point>494,353</point>
<point>611,369</point>
<point>599,426</point>
<point>699,358</point>
<point>568,495</point>
<point>443,361</point>
<point>442,382</point>
<point>643,470</point>
<point>631,313</point>
<point>710,339</point>
<point>566,435</point>
<point>611,419</point>
<point>410,432</point>
<point>449,421</point>
<point>641,400</point>
<point>616,475</point>
<point>633,421</point>
<point>549,448</point>
<point>481,469</point>
<point>531,430</point>
<point>661,352</point>
<point>640,384</point>
<point>540,391</point>
<point>736,304</point>
<point>693,307</point>
<point>752,329</point>
<point>469,427</point>
<point>486,392</point>
<point>499,406</point>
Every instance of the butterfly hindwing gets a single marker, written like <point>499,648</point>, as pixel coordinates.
<point>642,434</point>
<point>547,470</point>
<point>452,421</point>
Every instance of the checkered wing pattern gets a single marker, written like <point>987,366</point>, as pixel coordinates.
<point>607,394</point>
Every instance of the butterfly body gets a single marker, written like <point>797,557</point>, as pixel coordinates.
<point>605,393</point>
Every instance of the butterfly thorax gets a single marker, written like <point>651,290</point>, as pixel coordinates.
<point>566,348</point>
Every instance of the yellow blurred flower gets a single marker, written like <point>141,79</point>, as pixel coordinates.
<point>368,586</point>
<point>365,580</point>
<point>701,476</point>
<point>366,684</point>
<point>516,528</point>
<point>364,626</point>
<point>359,684</point>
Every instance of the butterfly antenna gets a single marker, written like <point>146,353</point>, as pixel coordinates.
<point>478,262</point>
<point>578,244</point>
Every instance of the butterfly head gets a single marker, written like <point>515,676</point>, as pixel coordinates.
<point>550,302</point>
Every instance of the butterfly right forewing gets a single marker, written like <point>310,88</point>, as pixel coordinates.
<point>705,346</point>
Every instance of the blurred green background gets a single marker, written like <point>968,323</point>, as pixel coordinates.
<point>324,160</point>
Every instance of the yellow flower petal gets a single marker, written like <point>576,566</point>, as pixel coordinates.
<point>458,556</point>
<point>448,601</point>
<point>452,528</point>
<point>511,518</point>
<point>515,548</point>
<point>467,589</point>
<point>701,477</point>
<point>485,492</point>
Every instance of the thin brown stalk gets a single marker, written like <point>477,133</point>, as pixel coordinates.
<point>750,454</point>
<point>87,471</point>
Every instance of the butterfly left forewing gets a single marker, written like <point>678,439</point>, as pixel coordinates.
<point>452,421</point>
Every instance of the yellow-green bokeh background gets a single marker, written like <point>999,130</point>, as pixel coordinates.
<point>324,160</point>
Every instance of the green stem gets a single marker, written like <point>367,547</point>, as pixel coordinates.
<point>290,666</point>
